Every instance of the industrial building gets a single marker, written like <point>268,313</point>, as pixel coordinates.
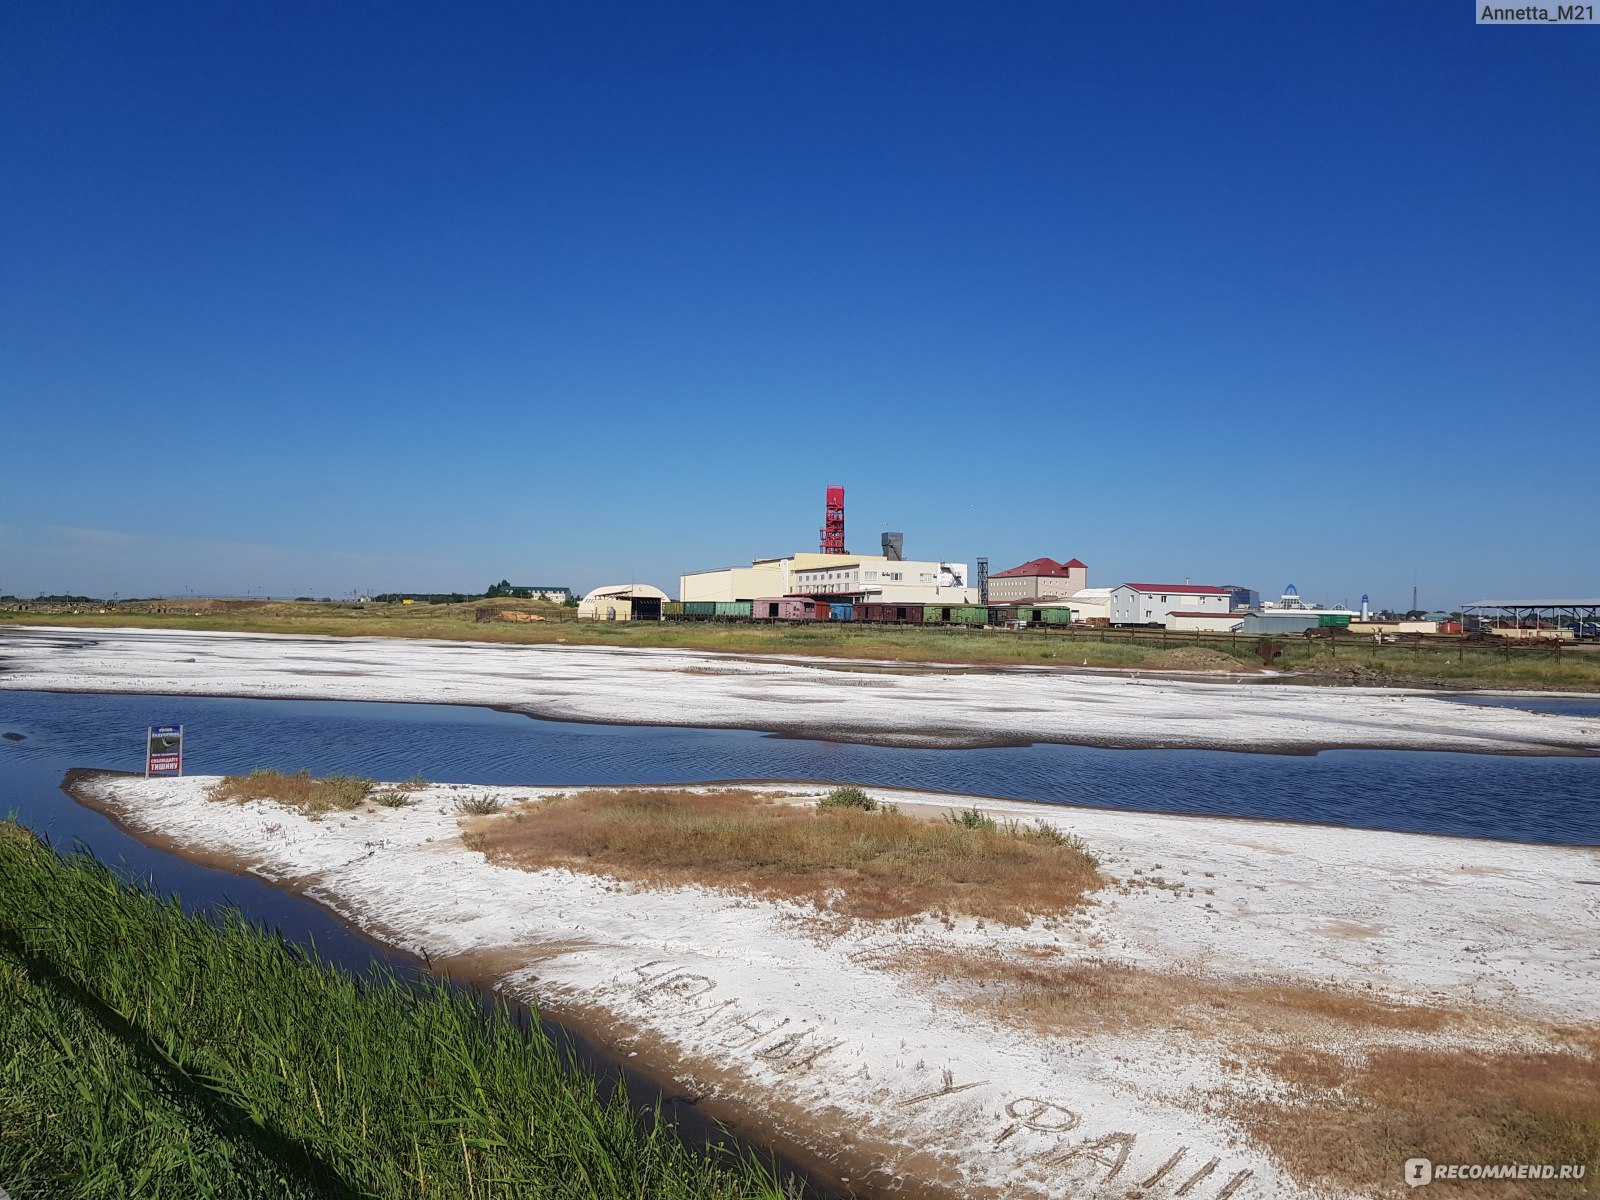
<point>1157,603</point>
<point>1091,605</point>
<point>623,602</point>
<point>1199,621</point>
<point>1039,579</point>
<point>886,578</point>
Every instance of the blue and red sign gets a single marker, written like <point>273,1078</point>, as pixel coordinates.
<point>164,753</point>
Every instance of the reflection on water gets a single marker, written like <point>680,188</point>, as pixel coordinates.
<point>1511,797</point>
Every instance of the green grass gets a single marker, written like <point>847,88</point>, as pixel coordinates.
<point>848,797</point>
<point>1131,649</point>
<point>149,1053</point>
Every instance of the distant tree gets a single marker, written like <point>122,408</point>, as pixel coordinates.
<point>503,588</point>
<point>1416,614</point>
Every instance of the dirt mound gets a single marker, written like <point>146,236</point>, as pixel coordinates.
<point>1196,658</point>
<point>507,614</point>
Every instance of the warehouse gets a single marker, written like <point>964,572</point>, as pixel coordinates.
<point>1153,603</point>
<point>1195,621</point>
<point>623,602</point>
<point>1039,579</point>
<point>1091,605</point>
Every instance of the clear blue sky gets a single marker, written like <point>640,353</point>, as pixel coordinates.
<point>307,298</point>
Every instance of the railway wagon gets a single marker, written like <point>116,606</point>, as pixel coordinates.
<point>789,608</point>
<point>838,611</point>
<point>716,610</point>
<point>955,614</point>
<point>889,614</point>
<point>1030,614</point>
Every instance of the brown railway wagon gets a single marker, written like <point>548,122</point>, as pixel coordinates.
<point>889,614</point>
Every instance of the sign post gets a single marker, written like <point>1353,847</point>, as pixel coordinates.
<point>164,751</point>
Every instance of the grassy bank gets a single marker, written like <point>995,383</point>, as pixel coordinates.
<point>1354,659</point>
<point>154,1054</point>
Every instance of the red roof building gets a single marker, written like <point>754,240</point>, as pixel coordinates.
<point>1039,579</point>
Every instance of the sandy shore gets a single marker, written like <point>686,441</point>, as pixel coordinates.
<point>867,703</point>
<point>816,1029</point>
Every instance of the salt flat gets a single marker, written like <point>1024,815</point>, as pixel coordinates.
<point>867,702</point>
<point>814,1029</point>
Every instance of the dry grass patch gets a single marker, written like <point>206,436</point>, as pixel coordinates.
<point>335,793</point>
<point>1359,1088</point>
<point>858,862</point>
<point>1041,991</point>
<point>1359,1120</point>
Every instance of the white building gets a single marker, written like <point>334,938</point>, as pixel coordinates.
<point>869,577</point>
<point>622,602</point>
<point>1089,604</point>
<point>1156,603</point>
<point>763,577</point>
<point>887,581</point>
<point>1206,622</point>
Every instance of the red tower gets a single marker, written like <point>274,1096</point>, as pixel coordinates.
<point>833,523</point>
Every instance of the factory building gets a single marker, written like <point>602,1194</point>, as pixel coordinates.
<point>887,581</point>
<point>867,577</point>
<point>1157,603</point>
<point>763,577</point>
<point>1039,579</point>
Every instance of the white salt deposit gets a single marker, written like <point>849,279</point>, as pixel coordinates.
<point>752,1001</point>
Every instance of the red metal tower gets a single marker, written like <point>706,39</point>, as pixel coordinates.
<point>833,523</point>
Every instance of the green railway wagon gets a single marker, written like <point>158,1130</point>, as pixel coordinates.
<point>1333,621</point>
<point>955,614</point>
<point>672,609</point>
<point>699,610</point>
<point>733,608</point>
<point>1039,614</point>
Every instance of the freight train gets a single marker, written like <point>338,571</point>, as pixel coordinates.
<point>802,609</point>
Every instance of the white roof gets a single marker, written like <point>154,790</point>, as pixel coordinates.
<point>626,591</point>
<point>1091,594</point>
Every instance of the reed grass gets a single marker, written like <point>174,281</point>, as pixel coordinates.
<point>153,1053</point>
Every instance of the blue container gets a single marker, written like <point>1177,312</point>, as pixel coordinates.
<point>841,612</point>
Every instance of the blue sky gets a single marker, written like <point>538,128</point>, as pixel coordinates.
<point>301,299</point>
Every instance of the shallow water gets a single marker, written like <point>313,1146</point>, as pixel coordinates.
<point>1561,706</point>
<point>1519,798</point>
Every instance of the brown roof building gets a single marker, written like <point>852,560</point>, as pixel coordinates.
<point>1040,579</point>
